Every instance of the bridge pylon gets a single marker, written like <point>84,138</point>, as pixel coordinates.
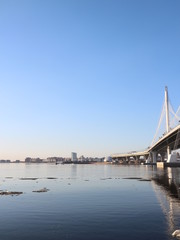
<point>167,109</point>
<point>169,140</point>
<point>167,117</point>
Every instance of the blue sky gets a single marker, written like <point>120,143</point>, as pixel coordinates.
<point>85,76</point>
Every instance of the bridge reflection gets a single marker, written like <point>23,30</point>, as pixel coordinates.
<point>169,178</point>
<point>166,184</point>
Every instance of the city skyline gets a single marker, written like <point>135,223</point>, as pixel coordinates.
<point>85,76</point>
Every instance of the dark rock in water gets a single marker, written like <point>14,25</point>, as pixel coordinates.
<point>138,178</point>
<point>105,178</point>
<point>28,178</point>
<point>41,190</point>
<point>10,193</point>
<point>51,178</point>
<point>144,180</point>
<point>133,178</point>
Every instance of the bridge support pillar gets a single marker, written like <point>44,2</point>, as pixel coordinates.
<point>154,157</point>
<point>137,159</point>
<point>168,152</point>
<point>147,158</point>
<point>163,154</point>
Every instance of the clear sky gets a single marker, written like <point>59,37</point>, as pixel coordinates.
<point>85,75</point>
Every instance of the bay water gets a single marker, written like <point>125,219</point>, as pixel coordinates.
<point>88,201</point>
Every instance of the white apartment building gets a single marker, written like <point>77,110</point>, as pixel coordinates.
<point>74,157</point>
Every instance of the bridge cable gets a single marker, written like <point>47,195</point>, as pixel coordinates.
<point>159,124</point>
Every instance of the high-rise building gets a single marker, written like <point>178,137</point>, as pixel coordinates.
<point>74,157</point>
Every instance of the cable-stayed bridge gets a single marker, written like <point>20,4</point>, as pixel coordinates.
<point>166,138</point>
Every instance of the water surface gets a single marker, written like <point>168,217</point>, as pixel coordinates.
<point>91,201</point>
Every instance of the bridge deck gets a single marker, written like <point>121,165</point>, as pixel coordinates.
<point>154,147</point>
<point>131,154</point>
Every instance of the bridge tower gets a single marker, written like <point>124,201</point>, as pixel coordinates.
<point>167,109</point>
<point>167,116</point>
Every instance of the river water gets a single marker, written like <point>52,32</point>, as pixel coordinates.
<point>91,201</point>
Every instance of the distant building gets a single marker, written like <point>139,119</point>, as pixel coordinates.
<point>74,157</point>
<point>5,161</point>
<point>17,161</point>
<point>33,160</point>
<point>54,160</point>
<point>82,159</point>
<point>108,159</point>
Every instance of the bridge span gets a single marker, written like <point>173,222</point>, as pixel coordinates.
<point>163,147</point>
<point>126,157</point>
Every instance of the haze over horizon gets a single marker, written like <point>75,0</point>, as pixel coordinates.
<point>85,76</point>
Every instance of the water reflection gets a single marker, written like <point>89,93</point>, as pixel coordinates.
<point>169,179</point>
<point>166,183</point>
<point>74,171</point>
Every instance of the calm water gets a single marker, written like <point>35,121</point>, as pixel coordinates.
<point>90,202</point>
